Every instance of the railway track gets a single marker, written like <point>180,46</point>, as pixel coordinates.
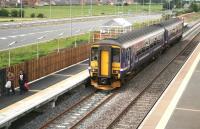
<point>85,107</point>
<point>132,116</point>
<point>79,111</point>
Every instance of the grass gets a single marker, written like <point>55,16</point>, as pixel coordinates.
<point>192,17</point>
<point>78,10</point>
<point>22,54</point>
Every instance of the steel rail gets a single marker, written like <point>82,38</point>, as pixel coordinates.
<point>150,84</point>
<point>68,109</point>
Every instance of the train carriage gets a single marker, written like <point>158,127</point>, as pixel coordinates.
<point>112,60</point>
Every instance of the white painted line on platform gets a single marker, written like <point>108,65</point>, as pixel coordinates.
<point>187,109</point>
<point>34,90</point>
<point>168,112</point>
<point>63,75</point>
<point>84,64</point>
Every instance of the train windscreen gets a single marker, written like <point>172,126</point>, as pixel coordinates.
<point>115,55</point>
<point>94,53</point>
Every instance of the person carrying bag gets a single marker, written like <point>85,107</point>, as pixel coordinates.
<point>8,86</point>
<point>10,82</point>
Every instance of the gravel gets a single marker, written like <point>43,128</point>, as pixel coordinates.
<point>105,114</point>
<point>49,113</point>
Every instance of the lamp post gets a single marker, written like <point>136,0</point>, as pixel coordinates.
<point>38,46</point>
<point>149,12</point>
<point>50,8</point>
<point>21,10</point>
<point>70,11</point>
<point>59,42</point>
<point>90,34</point>
<point>90,7</point>
<point>12,43</point>
<point>76,37</point>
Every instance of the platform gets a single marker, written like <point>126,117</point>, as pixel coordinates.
<point>179,106</point>
<point>41,92</point>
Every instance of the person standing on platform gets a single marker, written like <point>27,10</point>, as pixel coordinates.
<point>11,78</point>
<point>22,80</point>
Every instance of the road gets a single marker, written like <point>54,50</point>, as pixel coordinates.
<point>29,35</point>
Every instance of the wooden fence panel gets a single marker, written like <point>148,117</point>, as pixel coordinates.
<point>45,65</point>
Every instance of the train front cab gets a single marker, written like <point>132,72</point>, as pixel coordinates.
<point>105,67</point>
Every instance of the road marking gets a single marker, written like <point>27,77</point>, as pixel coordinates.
<point>22,35</point>
<point>3,38</point>
<point>14,36</point>
<point>187,109</point>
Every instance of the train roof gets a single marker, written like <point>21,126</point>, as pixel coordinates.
<point>170,22</point>
<point>122,39</point>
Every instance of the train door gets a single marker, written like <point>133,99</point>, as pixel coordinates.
<point>128,58</point>
<point>104,62</point>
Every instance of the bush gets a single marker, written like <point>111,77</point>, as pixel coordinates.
<point>40,15</point>
<point>4,12</point>
<point>194,7</point>
<point>21,13</point>
<point>14,13</point>
<point>32,15</point>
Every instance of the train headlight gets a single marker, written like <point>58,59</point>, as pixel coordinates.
<point>94,70</point>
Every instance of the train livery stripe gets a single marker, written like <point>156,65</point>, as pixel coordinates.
<point>104,63</point>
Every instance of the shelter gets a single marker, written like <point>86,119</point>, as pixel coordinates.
<point>117,25</point>
<point>112,28</point>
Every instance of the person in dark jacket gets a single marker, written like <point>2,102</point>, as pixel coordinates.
<point>22,80</point>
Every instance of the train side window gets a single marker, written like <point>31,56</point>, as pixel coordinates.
<point>94,53</point>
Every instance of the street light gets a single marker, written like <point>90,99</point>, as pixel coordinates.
<point>76,37</point>
<point>50,8</point>
<point>12,43</point>
<point>38,44</point>
<point>90,7</point>
<point>90,34</point>
<point>59,42</point>
<point>149,12</point>
<point>70,11</point>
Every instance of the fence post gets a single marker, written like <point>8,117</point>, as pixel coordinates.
<point>2,81</point>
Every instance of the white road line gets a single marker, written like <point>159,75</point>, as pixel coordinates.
<point>22,35</point>
<point>3,38</point>
<point>187,109</point>
<point>14,36</point>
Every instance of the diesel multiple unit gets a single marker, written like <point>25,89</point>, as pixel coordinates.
<point>112,60</point>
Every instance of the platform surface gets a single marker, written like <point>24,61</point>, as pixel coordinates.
<point>43,84</point>
<point>179,106</point>
<point>46,90</point>
<point>187,112</point>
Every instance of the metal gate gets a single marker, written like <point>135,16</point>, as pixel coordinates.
<point>2,81</point>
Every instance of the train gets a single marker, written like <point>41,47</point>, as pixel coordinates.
<point>112,60</point>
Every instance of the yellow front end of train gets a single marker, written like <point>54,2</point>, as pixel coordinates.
<point>105,67</point>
